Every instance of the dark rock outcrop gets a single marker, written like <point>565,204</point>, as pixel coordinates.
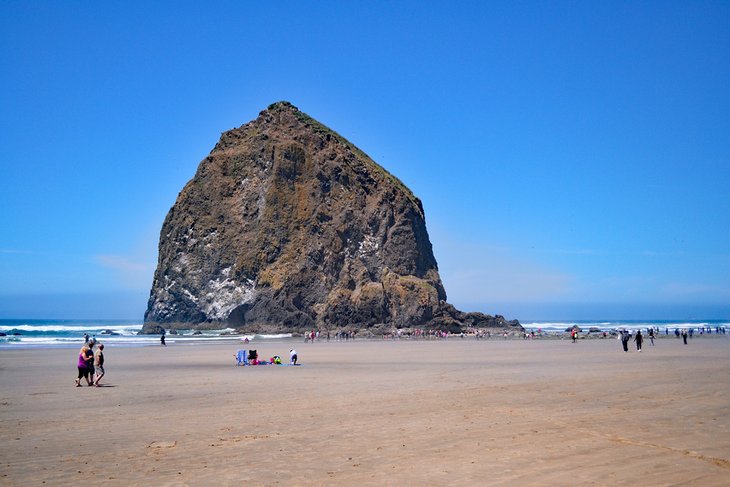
<point>287,226</point>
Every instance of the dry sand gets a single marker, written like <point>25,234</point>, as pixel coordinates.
<point>456,412</point>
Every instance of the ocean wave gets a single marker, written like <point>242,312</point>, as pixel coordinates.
<point>24,340</point>
<point>272,337</point>
<point>68,328</point>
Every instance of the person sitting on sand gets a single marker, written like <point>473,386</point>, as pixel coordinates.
<point>99,363</point>
<point>253,357</point>
<point>293,357</point>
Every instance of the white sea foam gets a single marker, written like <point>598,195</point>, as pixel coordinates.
<point>71,328</point>
<point>273,337</point>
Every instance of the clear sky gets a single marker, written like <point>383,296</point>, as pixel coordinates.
<point>573,158</point>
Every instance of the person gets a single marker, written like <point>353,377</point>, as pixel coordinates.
<point>625,337</point>
<point>83,370</point>
<point>573,334</point>
<point>293,357</point>
<point>86,338</point>
<point>684,335</point>
<point>90,362</point>
<point>651,336</point>
<point>99,364</point>
<point>162,340</point>
<point>639,339</point>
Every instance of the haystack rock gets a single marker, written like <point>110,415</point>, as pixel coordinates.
<point>287,226</point>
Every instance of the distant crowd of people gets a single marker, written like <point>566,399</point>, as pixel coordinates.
<point>315,335</point>
<point>625,335</point>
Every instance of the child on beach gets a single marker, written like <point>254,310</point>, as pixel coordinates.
<point>99,363</point>
<point>293,357</point>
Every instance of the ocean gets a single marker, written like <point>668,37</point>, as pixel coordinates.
<point>70,333</point>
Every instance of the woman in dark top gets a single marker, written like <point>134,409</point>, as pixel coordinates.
<point>639,339</point>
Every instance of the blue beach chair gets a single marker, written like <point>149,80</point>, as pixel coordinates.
<point>242,357</point>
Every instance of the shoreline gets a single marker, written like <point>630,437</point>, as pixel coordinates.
<point>64,333</point>
<point>230,338</point>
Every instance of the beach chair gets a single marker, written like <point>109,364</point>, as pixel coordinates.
<point>241,357</point>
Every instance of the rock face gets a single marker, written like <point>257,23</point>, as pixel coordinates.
<point>287,226</point>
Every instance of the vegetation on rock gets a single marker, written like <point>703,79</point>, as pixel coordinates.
<point>288,226</point>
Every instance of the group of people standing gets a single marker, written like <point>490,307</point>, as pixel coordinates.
<point>625,337</point>
<point>90,364</point>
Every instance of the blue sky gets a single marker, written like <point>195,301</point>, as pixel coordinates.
<point>573,158</point>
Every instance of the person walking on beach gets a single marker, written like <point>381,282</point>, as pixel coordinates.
<point>293,357</point>
<point>99,364</point>
<point>81,366</point>
<point>684,335</point>
<point>86,338</point>
<point>162,340</point>
<point>639,339</point>
<point>573,334</point>
<point>625,337</point>
<point>651,336</point>
<point>90,362</point>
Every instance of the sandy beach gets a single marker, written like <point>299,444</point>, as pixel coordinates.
<point>454,412</point>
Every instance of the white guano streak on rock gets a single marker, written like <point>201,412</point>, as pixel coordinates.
<point>368,246</point>
<point>223,295</point>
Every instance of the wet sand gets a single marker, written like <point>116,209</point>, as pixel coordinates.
<point>455,412</point>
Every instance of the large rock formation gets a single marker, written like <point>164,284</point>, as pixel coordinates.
<point>288,226</point>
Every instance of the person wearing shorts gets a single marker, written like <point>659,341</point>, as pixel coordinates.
<point>83,370</point>
<point>99,363</point>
